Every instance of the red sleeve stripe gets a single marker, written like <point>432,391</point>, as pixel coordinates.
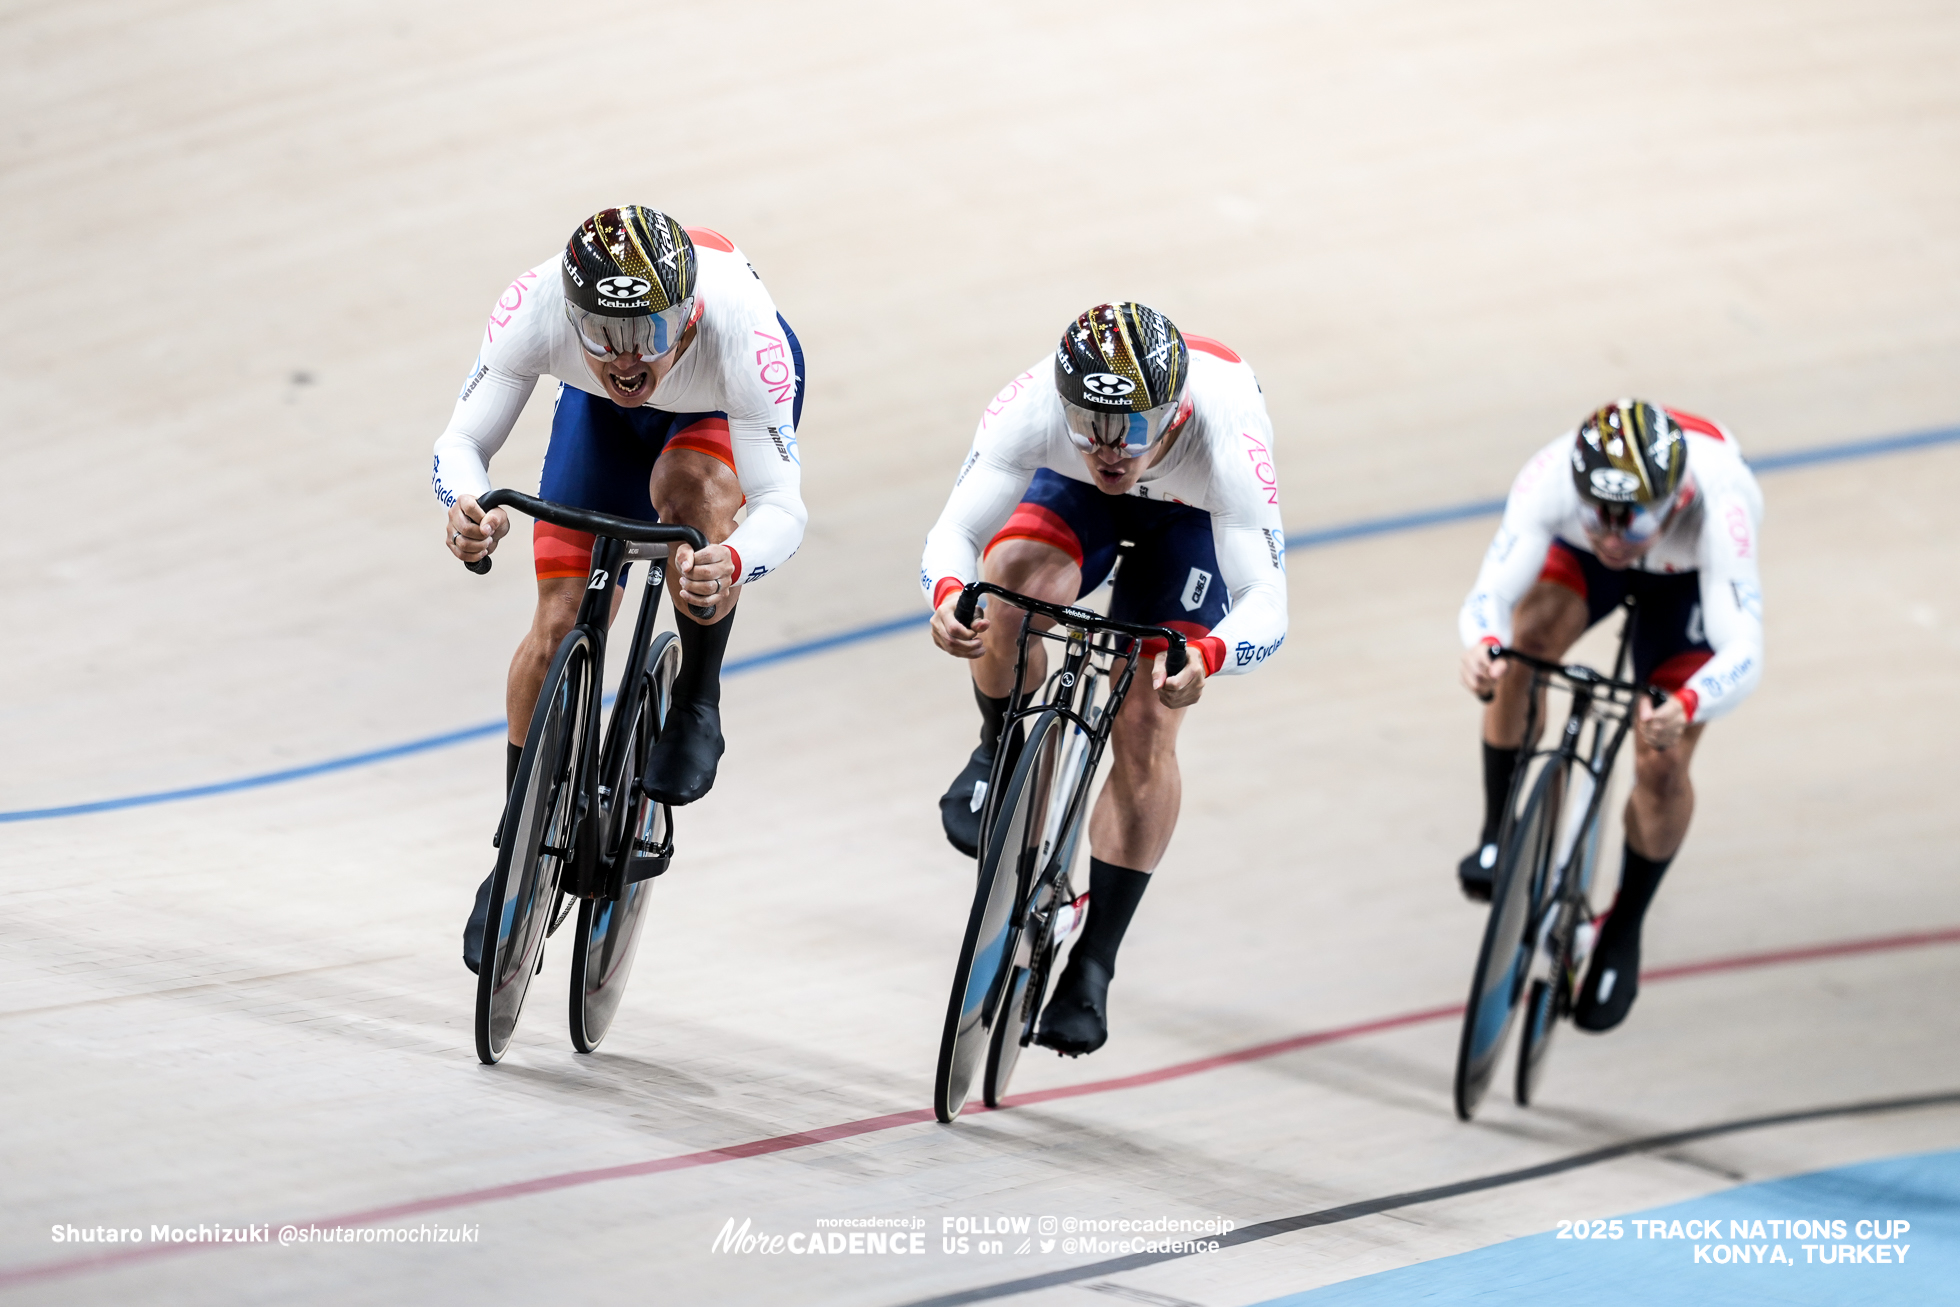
<point>711,238</point>
<point>1211,647</point>
<point>944,586</point>
<point>1689,422</point>
<point>737,556</point>
<point>1210,346</point>
<point>1689,700</point>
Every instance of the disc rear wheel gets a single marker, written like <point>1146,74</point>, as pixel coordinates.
<point>1541,1013</point>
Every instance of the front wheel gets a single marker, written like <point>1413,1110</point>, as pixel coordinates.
<point>540,824</point>
<point>1008,860</point>
<point>1522,880</point>
<point>638,838</point>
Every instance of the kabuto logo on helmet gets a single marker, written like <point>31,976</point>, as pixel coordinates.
<point>1615,486</point>
<point>624,288</point>
<point>1108,384</point>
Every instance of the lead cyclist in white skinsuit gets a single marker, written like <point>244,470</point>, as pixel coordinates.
<point>1657,504</point>
<point>1130,431</point>
<point>681,389</point>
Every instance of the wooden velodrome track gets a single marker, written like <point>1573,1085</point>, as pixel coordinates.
<point>252,248</point>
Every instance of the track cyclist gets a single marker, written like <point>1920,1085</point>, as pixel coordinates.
<point>680,387</point>
<point>1133,435</point>
<point>1645,502</point>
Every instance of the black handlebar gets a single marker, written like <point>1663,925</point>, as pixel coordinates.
<point>969,605</point>
<point>585,519</point>
<point>1579,674</point>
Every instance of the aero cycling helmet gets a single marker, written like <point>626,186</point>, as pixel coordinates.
<point>1628,463</point>
<point>629,282</point>
<point>1121,372</point>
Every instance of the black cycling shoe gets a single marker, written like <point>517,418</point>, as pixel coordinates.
<point>1612,979</point>
<point>959,807</point>
<point>1477,872</point>
<point>681,766</point>
<point>473,931</point>
<point>1076,1019</point>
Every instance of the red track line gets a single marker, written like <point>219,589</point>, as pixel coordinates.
<point>1884,943</point>
<point>919,1116</point>
<point>1179,1070</point>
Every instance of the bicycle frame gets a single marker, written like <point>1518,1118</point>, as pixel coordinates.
<point>1092,646</point>
<point>591,870</point>
<point>1608,703</point>
<point>1093,643</point>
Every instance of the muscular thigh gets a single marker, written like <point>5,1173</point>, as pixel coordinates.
<point>697,488</point>
<point>1548,620</point>
<point>1035,568</point>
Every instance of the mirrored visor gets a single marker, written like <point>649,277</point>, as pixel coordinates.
<point>1135,433</point>
<point>649,335</point>
<point>1635,523</point>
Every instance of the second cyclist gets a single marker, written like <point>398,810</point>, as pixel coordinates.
<point>1133,434</point>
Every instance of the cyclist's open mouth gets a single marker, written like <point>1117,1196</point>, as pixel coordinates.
<point>629,387</point>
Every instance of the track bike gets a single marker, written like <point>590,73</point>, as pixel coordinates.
<point>1025,907</point>
<point>577,826</point>
<point>1540,929</point>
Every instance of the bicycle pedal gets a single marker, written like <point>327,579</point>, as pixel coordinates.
<point>638,869</point>
<point>648,860</point>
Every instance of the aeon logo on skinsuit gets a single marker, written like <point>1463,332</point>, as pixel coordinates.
<point>624,288</point>
<point>1108,385</point>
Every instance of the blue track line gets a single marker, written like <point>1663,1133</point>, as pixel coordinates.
<point>1374,526</point>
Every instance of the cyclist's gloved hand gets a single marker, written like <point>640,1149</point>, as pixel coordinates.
<point>948,634</point>
<point>1481,671</point>
<point>1661,727</point>
<point>706,578</point>
<point>1182,690</point>
<point>471,533</point>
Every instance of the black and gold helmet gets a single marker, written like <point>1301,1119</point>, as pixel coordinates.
<point>1629,461</point>
<point>1121,371</point>
<point>629,282</point>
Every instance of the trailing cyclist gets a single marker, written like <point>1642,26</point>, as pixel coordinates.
<point>1654,504</point>
<point>680,388</point>
<point>1134,435</point>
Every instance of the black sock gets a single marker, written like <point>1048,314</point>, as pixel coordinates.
<point>993,715</point>
<point>1114,893</point>
<point>512,752</point>
<point>1639,878</point>
<point>701,651</point>
<point>1498,766</point>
